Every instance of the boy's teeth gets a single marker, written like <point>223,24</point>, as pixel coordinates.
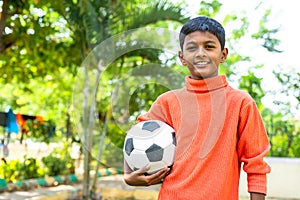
<point>201,63</point>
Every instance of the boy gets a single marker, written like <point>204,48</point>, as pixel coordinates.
<point>217,127</point>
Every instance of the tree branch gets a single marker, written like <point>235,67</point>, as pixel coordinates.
<point>3,18</point>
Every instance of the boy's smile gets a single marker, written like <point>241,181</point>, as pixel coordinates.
<point>202,54</point>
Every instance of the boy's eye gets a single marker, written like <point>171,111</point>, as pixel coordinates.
<point>209,46</point>
<point>191,48</point>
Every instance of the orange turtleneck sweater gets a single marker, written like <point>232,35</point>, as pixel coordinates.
<point>217,128</point>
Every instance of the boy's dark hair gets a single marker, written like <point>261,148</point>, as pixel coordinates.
<point>203,23</point>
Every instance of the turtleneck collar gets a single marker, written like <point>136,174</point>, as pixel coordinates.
<point>206,85</point>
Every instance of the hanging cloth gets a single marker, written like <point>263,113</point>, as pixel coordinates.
<point>11,122</point>
<point>3,119</point>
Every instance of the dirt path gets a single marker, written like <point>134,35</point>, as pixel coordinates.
<point>110,187</point>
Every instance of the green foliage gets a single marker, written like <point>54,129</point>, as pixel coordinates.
<point>210,9</point>
<point>284,134</point>
<point>290,82</point>
<point>10,170</point>
<point>241,31</point>
<point>283,127</point>
<point>156,11</point>
<point>59,162</point>
<point>265,34</point>
<point>228,67</point>
<point>41,130</point>
<point>15,170</point>
<point>112,155</point>
<point>38,26</point>
<point>30,168</point>
<point>252,85</point>
<point>143,97</point>
<point>48,97</point>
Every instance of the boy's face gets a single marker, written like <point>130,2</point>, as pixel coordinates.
<point>202,54</point>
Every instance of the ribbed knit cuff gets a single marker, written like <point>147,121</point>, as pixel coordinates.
<point>257,183</point>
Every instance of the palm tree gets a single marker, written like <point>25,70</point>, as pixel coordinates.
<point>93,21</point>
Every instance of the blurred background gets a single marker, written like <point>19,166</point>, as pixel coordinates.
<point>56,111</point>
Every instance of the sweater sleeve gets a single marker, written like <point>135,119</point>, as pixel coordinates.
<point>253,146</point>
<point>154,113</point>
<point>160,109</point>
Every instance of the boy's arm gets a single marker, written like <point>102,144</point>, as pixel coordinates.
<point>253,146</point>
<point>257,196</point>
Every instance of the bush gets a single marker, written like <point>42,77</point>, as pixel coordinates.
<point>59,162</point>
<point>14,170</point>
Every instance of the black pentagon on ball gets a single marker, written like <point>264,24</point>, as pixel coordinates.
<point>155,153</point>
<point>174,138</point>
<point>150,126</point>
<point>129,146</point>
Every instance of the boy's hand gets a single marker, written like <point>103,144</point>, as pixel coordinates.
<point>138,178</point>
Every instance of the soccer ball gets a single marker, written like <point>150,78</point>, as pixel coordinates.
<point>150,142</point>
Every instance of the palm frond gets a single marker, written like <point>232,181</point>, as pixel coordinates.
<point>161,10</point>
<point>149,12</point>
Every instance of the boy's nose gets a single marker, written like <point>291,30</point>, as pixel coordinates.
<point>201,52</point>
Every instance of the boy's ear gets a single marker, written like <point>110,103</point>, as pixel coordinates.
<point>224,55</point>
<point>180,55</point>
